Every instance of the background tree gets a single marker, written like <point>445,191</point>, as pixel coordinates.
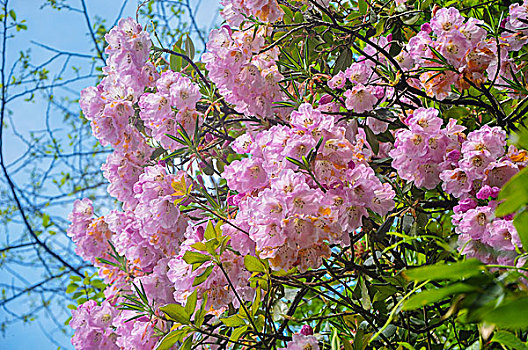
<point>48,157</point>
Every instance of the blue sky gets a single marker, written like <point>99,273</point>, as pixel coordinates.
<point>66,31</point>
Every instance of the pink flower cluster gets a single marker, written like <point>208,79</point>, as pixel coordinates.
<point>291,217</point>
<point>236,11</point>
<point>245,78</point>
<point>122,170</point>
<point>110,107</point>
<point>147,237</point>
<point>360,82</point>
<point>419,151</point>
<point>89,234</point>
<point>480,161</point>
<point>219,290</point>
<point>302,341</point>
<point>174,91</point>
<point>472,58</point>
<point>104,327</point>
<point>300,186</point>
<point>517,33</point>
<point>479,173</point>
<point>482,235</point>
<point>471,168</point>
<point>154,228</point>
<point>92,324</point>
<point>150,229</point>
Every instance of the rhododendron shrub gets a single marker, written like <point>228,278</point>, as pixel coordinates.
<point>326,175</point>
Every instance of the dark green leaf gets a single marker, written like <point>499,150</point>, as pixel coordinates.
<point>343,61</point>
<point>508,339</point>
<point>512,314</point>
<point>455,271</point>
<point>363,7</point>
<point>514,194</point>
<point>372,139</point>
<point>201,278</point>
<point>433,295</point>
<point>521,224</point>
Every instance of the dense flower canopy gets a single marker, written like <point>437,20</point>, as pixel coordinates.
<point>324,163</point>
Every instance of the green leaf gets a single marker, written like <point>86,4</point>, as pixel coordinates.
<point>190,305</point>
<point>514,194</point>
<point>168,341</point>
<point>520,137</point>
<point>441,271</point>
<point>288,13</point>
<point>343,61</point>
<point>195,257</point>
<point>433,295</point>
<point>365,297</point>
<point>210,232</point>
<point>256,303</point>
<point>237,333</point>
<point>189,47</point>
<point>456,112</point>
<point>335,343</point>
<point>380,27</point>
<point>13,15</point>
<point>199,246</point>
<point>508,339</point>
<point>360,340</point>
<point>295,161</point>
<point>410,20</point>
<point>510,315</point>
<point>372,139</point>
<point>346,344</point>
<point>201,278</point>
<point>200,314</point>
<point>363,7</point>
<point>383,292</point>
<point>298,17</point>
<point>72,287</point>
<point>253,264</point>
<point>521,224</point>
<point>233,321</point>
<point>45,220</point>
<point>176,312</point>
<point>187,343</point>
<point>175,62</point>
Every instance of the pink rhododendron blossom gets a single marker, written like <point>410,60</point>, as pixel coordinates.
<point>360,99</point>
<point>91,323</point>
<point>302,342</point>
